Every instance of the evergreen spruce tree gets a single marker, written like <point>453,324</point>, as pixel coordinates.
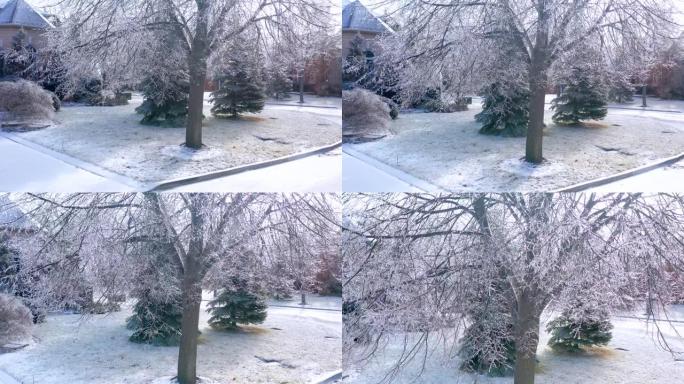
<point>19,58</point>
<point>9,266</point>
<point>236,304</point>
<point>279,84</point>
<point>578,328</point>
<point>158,312</point>
<point>165,101</point>
<point>505,110</point>
<point>355,66</point>
<point>505,107</point>
<point>239,79</point>
<point>583,98</point>
<point>488,345</point>
<point>155,320</point>
<point>166,87</point>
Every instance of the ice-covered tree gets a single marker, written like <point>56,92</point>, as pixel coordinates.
<point>104,37</point>
<point>165,81</point>
<point>278,82</point>
<point>239,78</point>
<point>236,305</point>
<point>418,263</point>
<point>584,97</point>
<point>572,332</point>
<point>201,231</point>
<point>158,312</point>
<point>504,109</point>
<point>307,42</point>
<point>453,34</point>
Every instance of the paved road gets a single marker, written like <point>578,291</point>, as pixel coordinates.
<point>665,179</point>
<point>24,169</point>
<point>319,173</point>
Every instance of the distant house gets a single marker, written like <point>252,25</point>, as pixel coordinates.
<point>17,16</point>
<point>361,25</point>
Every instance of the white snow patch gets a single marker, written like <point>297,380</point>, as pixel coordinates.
<point>521,167</point>
<point>186,153</point>
<point>173,380</point>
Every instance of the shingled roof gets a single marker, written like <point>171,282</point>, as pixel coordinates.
<point>21,14</point>
<point>356,17</point>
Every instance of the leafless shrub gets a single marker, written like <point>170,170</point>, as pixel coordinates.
<point>364,114</point>
<point>15,319</point>
<point>25,100</point>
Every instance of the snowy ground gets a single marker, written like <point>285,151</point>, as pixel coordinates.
<point>632,357</point>
<point>96,350</point>
<point>309,101</point>
<point>112,138</point>
<point>445,149</point>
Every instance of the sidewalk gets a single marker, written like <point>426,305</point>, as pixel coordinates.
<point>24,169</point>
<point>365,174</point>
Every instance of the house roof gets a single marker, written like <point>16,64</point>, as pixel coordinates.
<point>22,14</point>
<point>356,17</point>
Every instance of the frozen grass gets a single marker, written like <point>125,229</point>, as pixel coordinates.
<point>112,138</point>
<point>447,150</point>
<point>302,344</point>
<point>632,357</point>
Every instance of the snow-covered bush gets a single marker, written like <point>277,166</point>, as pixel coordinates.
<point>364,113</point>
<point>26,100</point>
<point>15,319</point>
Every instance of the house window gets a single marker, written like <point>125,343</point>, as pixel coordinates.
<point>370,57</point>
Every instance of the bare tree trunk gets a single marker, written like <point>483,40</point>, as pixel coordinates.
<point>192,300</point>
<point>301,87</point>
<point>527,339</point>
<point>192,293</point>
<point>537,80</point>
<point>643,96</point>
<point>197,62</point>
<point>303,296</point>
<point>535,128</point>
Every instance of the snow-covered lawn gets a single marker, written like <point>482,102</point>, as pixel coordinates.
<point>301,343</point>
<point>632,357</point>
<point>447,150</point>
<point>309,101</point>
<point>112,138</point>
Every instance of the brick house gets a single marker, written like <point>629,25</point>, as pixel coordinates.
<point>359,23</point>
<point>18,15</point>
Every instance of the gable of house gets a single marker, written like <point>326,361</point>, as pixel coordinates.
<point>19,13</point>
<point>357,18</point>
